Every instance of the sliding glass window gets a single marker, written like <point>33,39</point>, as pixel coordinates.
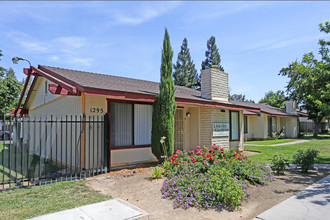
<point>130,124</point>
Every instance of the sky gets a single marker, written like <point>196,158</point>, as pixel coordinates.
<point>255,39</point>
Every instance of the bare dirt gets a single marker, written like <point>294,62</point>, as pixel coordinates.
<point>137,187</point>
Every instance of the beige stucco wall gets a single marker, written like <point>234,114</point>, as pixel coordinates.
<point>258,126</point>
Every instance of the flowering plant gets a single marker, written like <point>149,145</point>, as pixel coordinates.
<point>211,177</point>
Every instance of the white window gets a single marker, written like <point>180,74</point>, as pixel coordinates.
<point>234,126</point>
<point>130,124</point>
<point>274,127</point>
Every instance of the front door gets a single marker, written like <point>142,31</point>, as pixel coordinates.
<point>178,130</point>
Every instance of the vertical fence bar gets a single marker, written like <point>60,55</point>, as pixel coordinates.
<point>80,135</point>
<point>40,149</point>
<point>34,149</point>
<point>97,145</point>
<point>51,148</point>
<point>9,156</point>
<point>89,141</point>
<point>75,146</point>
<point>45,160</point>
<point>66,147</point>
<point>16,152</point>
<point>22,150</point>
<point>61,147</point>
<point>56,167</point>
<point>28,151</point>
<point>71,150</point>
<point>93,130</point>
<point>3,154</point>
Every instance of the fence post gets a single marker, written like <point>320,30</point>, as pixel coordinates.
<point>107,150</point>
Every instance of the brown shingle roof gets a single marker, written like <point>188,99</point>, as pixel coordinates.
<point>124,84</point>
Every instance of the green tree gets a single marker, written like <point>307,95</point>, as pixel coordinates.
<point>309,81</point>
<point>239,98</point>
<point>185,73</point>
<point>2,70</point>
<point>165,106</point>
<point>10,90</point>
<point>275,99</point>
<point>212,55</point>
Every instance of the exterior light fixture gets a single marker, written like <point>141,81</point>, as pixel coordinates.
<point>222,110</point>
<point>188,114</point>
<point>16,59</point>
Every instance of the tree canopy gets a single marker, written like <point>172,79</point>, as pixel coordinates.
<point>309,81</point>
<point>275,99</point>
<point>212,55</point>
<point>239,98</point>
<point>185,73</point>
<point>165,106</point>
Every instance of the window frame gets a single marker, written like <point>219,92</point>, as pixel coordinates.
<point>230,125</point>
<point>133,134</point>
<point>246,130</point>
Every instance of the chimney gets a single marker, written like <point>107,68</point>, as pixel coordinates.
<point>214,84</point>
<point>291,107</point>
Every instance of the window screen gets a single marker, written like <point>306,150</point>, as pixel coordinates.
<point>142,124</point>
<point>234,128</point>
<point>121,124</point>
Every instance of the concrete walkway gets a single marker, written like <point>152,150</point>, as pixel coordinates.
<point>115,209</point>
<point>312,203</point>
<point>281,144</point>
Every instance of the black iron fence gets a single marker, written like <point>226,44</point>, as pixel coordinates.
<point>46,149</point>
<point>308,126</point>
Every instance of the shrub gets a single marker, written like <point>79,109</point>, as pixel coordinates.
<point>210,177</point>
<point>305,159</point>
<point>278,135</point>
<point>157,172</point>
<point>279,162</point>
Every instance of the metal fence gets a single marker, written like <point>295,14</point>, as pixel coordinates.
<point>47,149</point>
<point>307,126</point>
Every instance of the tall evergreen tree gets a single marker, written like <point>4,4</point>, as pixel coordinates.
<point>212,55</point>
<point>164,107</point>
<point>185,73</point>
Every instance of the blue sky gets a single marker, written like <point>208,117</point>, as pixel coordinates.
<point>255,39</point>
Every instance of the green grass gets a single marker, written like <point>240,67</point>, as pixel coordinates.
<point>267,152</point>
<point>41,200</point>
<point>11,170</point>
<point>270,142</point>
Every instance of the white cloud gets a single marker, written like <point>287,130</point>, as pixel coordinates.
<point>144,13</point>
<point>71,41</point>
<point>34,46</point>
<point>78,61</point>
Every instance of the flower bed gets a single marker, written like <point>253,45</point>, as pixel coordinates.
<point>209,177</point>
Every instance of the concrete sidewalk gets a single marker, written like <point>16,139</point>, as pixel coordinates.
<point>312,203</point>
<point>281,144</point>
<point>115,209</point>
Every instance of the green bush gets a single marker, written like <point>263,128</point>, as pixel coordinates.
<point>157,172</point>
<point>279,162</point>
<point>305,159</point>
<point>211,177</point>
<point>278,135</point>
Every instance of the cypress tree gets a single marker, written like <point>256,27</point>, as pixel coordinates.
<point>212,55</point>
<point>164,107</point>
<point>185,73</point>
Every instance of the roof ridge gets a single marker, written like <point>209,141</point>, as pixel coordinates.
<point>98,73</point>
<point>123,77</point>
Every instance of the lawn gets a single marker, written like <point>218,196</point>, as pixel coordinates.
<point>40,200</point>
<point>270,142</point>
<point>267,152</point>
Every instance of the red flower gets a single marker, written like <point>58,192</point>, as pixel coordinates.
<point>211,158</point>
<point>177,163</point>
<point>216,162</point>
<point>184,161</point>
<point>224,158</point>
<point>221,149</point>
<point>239,157</point>
<point>235,154</point>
